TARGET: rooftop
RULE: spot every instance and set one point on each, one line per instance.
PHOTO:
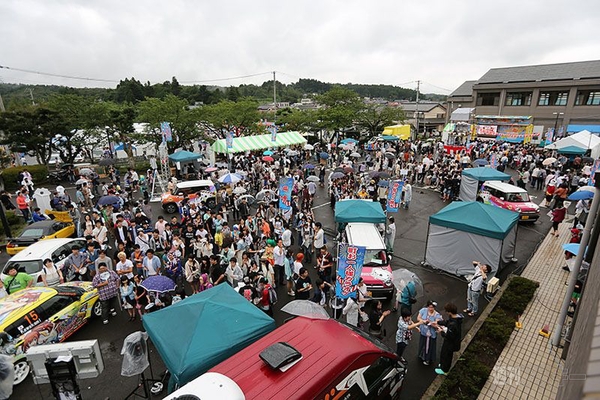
(466, 89)
(544, 72)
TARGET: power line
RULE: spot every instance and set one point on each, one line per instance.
(228, 79)
(57, 75)
(438, 87)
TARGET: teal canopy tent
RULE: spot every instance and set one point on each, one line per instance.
(465, 231)
(200, 331)
(184, 156)
(571, 150)
(359, 211)
(473, 177)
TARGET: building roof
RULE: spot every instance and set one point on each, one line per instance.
(546, 72)
(466, 89)
(424, 106)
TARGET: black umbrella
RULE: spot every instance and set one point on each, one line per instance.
(384, 175)
(106, 200)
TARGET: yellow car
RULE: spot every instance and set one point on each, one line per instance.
(59, 227)
(43, 315)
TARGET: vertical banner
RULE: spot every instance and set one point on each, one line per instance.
(229, 140)
(394, 195)
(167, 134)
(494, 161)
(285, 193)
(549, 135)
(350, 263)
(273, 130)
(595, 168)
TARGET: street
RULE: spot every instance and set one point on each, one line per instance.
(409, 249)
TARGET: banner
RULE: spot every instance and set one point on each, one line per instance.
(494, 161)
(487, 130)
(550, 135)
(350, 263)
(595, 168)
(394, 195)
(167, 134)
(285, 193)
(273, 130)
(229, 140)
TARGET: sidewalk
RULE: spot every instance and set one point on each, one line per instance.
(529, 367)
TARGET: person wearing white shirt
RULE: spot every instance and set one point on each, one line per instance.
(319, 238)
(475, 286)
(142, 240)
(151, 264)
(279, 260)
(286, 236)
(160, 224)
(124, 266)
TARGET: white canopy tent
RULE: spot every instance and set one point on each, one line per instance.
(584, 139)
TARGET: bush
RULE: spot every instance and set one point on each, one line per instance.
(39, 174)
(13, 218)
(472, 370)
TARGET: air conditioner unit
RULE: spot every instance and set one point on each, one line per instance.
(493, 285)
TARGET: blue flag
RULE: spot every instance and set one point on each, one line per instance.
(350, 263)
(394, 195)
(285, 193)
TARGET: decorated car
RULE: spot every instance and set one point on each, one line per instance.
(198, 190)
(59, 226)
(43, 315)
(509, 197)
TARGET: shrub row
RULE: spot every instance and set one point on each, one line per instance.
(39, 174)
(470, 373)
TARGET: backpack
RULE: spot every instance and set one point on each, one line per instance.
(272, 295)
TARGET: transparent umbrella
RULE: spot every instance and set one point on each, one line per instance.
(265, 194)
(249, 199)
(305, 308)
(309, 147)
(549, 161)
(313, 178)
(239, 190)
(402, 277)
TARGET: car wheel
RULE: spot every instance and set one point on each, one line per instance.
(171, 208)
(21, 370)
(97, 309)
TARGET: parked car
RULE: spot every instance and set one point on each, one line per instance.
(31, 258)
(59, 227)
(376, 270)
(509, 197)
(43, 315)
(198, 190)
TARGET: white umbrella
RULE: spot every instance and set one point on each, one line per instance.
(355, 154)
(85, 171)
(239, 190)
(549, 161)
(305, 308)
(309, 147)
(292, 153)
(313, 178)
(230, 178)
(81, 181)
(249, 199)
(264, 194)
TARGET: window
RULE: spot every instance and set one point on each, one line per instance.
(488, 99)
(553, 98)
(518, 99)
(376, 372)
(588, 98)
(55, 305)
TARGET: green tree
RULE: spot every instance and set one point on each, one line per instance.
(31, 130)
(340, 108)
(374, 117)
(129, 91)
(241, 116)
(171, 109)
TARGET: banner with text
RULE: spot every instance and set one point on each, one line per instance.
(285, 193)
(394, 195)
(350, 263)
(229, 140)
(167, 134)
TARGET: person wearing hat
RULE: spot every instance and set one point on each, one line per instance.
(75, 264)
(16, 281)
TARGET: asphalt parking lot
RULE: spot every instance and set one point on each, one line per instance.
(409, 251)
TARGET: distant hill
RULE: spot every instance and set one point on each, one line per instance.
(132, 90)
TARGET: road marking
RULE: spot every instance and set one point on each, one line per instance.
(321, 205)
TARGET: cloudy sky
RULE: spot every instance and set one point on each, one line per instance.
(441, 43)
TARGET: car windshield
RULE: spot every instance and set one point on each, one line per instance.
(375, 257)
(32, 233)
(517, 197)
(27, 266)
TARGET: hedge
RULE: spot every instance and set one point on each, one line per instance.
(39, 174)
(473, 369)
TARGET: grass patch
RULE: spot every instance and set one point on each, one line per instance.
(470, 373)
(16, 224)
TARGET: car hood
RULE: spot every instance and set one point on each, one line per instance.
(376, 274)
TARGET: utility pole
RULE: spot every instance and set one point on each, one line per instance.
(2, 104)
(417, 107)
(31, 95)
(274, 98)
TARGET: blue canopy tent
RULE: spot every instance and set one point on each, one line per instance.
(200, 331)
(473, 177)
(182, 156)
(465, 231)
(121, 146)
(359, 211)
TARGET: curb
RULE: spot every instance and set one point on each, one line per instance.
(437, 382)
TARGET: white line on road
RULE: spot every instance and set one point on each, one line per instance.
(321, 205)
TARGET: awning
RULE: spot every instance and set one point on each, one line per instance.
(571, 150)
(184, 156)
(579, 128)
(450, 127)
(461, 114)
(258, 142)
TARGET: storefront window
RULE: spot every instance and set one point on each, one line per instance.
(553, 98)
(518, 99)
(588, 98)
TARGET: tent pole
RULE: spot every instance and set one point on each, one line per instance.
(426, 243)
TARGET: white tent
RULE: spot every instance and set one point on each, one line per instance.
(584, 139)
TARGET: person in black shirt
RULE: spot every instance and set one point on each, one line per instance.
(217, 273)
(303, 285)
(188, 237)
(376, 318)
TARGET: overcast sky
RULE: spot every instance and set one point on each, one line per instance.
(441, 43)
